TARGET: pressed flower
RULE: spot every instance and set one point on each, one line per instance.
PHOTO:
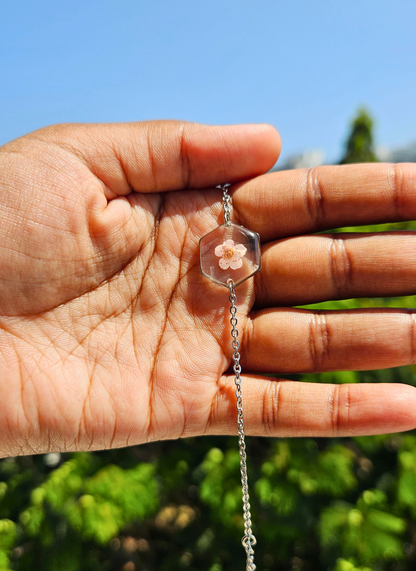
(230, 255)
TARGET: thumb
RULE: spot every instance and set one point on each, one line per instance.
(157, 156)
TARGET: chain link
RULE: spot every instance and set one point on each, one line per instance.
(248, 541)
(226, 200)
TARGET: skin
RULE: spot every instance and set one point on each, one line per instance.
(110, 336)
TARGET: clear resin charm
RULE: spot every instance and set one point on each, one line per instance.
(230, 252)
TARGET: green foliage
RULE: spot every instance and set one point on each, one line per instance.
(221, 487)
(348, 565)
(406, 486)
(7, 540)
(302, 467)
(113, 498)
(80, 501)
(359, 147)
(366, 530)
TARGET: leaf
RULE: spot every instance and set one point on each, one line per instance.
(348, 565)
(364, 532)
(8, 533)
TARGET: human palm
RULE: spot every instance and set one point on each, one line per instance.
(109, 334)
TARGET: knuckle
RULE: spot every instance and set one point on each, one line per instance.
(152, 159)
(260, 287)
(339, 408)
(412, 336)
(270, 407)
(184, 157)
(247, 340)
(340, 265)
(319, 338)
(395, 176)
(402, 182)
(314, 197)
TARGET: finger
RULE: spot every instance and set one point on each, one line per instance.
(303, 201)
(310, 269)
(168, 155)
(292, 408)
(300, 341)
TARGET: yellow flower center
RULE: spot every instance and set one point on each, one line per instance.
(228, 253)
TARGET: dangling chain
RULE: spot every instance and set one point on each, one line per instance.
(248, 540)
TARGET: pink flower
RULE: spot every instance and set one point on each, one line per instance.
(230, 255)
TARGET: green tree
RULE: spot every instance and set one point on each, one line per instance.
(359, 147)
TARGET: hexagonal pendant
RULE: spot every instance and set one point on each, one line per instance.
(230, 252)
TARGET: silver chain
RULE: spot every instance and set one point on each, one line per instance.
(226, 199)
(248, 541)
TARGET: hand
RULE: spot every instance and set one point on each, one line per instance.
(109, 335)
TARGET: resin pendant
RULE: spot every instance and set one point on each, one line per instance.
(229, 252)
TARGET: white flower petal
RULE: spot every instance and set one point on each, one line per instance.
(228, 244)
(240, 249)
(236, 263)
(219, 250)
(224, 263)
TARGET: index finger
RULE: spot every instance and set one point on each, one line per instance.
(288, 203)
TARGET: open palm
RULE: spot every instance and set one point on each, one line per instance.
(109, 334)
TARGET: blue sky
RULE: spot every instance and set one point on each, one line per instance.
(303, 66)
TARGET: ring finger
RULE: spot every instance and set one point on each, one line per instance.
(316, 341)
